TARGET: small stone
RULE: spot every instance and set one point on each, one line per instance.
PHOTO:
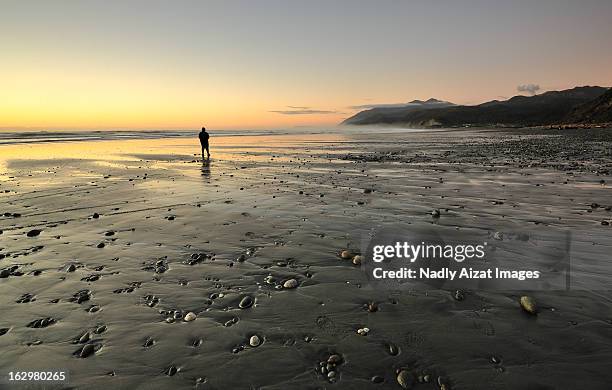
(334, 359)
(254, 341)
(87, 350)
(148, 342)
(529, 304)
(71, 268)
(171, 371)
(498, 236)
(33, 233)
(246, 302)
(331, 374)
(95, 215)
(363, 331)
(291, 283)
(435, 213)
(100, 329)
(94, 309)
(392, 349)
(191, 316)
(372, 307)
(357, 260)
(346, 255)
(377, 379)
(443, 383)
(405, 379)
(458, 295)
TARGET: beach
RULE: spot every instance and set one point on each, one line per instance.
(110, 243)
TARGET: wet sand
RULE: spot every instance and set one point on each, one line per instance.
(112, 238)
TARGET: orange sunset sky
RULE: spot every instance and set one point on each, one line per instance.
(277, 64)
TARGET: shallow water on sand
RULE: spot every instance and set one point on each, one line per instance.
(150, 229)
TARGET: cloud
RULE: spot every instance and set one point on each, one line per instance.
(530, 88)
(381, 105)
(299, 110)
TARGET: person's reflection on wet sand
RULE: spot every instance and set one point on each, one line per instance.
(206, 169)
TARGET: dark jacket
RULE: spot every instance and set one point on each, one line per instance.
(203, 138)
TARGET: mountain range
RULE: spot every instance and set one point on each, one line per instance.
(577, 105)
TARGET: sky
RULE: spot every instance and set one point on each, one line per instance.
(148, 64)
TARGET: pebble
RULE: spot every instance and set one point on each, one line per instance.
(392, 349)
(458, 295)
(33, 233)
(443, 383)
(171, 371)
(334, 359)
(377, 379)
(529, 304)
(372, 307)
(87, 350)
(357, 260)
(246, 302)
(435, 213)
(93, 309)
(196, 342)
(254, 341)
(71, 268)
(191, 316)
(329, 368)
(346, 255)
(363, 331)
(41, 323)
(405, 379)
(100, 329)
(291, 283)
(81, 296)
(148, 342)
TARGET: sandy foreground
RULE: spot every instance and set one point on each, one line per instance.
(104, 241)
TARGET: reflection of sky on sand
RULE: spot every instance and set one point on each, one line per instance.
(112, 153)
(206, 168)
(90, 158)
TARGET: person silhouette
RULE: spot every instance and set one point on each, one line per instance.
(204, 142)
